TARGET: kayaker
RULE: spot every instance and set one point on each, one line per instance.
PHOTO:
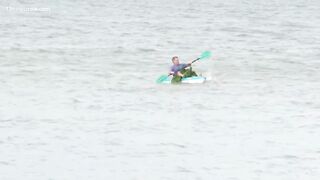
(179, 71)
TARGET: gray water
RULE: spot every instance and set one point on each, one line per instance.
(78, 98)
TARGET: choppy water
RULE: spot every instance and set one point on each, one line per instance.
(78, 98)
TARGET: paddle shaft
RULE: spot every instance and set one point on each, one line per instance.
(195, 60)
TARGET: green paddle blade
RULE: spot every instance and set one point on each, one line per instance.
(205, 55)
(162, 78)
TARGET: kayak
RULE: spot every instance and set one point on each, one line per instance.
(188, 80)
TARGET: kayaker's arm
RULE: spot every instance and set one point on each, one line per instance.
(187, 65)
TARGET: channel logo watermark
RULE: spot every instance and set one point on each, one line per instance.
(27, 9)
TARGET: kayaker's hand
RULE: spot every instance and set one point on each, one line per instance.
(180, 74)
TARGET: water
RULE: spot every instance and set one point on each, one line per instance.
(79, 98)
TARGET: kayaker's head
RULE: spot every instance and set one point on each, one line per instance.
(175, 60)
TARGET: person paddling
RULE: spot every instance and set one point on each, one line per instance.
(180, 71)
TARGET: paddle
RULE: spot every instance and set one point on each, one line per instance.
(204, 55)
(162, 78)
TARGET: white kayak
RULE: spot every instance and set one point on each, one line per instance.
(188, 80)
